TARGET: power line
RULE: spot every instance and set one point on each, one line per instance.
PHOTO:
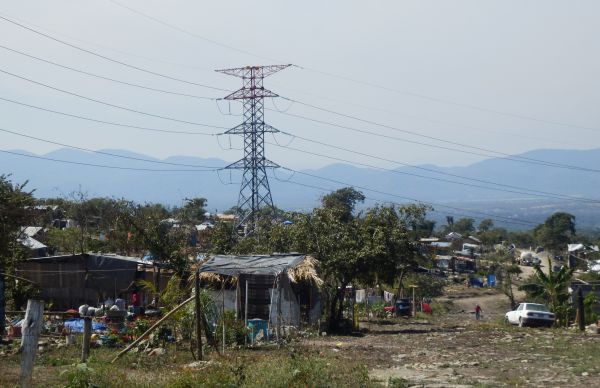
(106, 122)
(98, 165)
(107, 78)
(417, 167)
(445, 101)
(506, 156)
(123, 52)
(518, 191)
(417, 118)
(310, 105)
(406, 198)
(493, 217)
(109, 58)
(108, 103)
(105, 153)
(187, 32)
(357, 80)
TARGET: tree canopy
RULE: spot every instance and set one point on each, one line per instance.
(556, 232)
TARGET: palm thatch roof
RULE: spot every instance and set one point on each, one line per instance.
(306, 271)
(297, 267)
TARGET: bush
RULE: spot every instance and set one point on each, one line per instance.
(235, 331)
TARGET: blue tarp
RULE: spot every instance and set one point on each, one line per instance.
(76, 325)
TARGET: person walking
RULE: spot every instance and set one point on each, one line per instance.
(478, 311)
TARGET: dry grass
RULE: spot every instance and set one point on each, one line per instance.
(306, 271)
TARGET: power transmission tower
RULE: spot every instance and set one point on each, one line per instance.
(254, 190)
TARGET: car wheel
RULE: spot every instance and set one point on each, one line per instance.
(521, 324)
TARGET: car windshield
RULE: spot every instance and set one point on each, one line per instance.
(536, 307)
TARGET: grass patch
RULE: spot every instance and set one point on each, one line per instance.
(260, 367)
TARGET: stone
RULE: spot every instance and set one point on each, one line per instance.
(593, 329)
(158, 352)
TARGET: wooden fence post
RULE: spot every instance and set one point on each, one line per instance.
(30, 331)
(87, 335)
(198, 317)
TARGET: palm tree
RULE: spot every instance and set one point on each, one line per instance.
(551, 287)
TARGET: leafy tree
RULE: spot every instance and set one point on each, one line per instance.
(552, 288)
(485, 225)
(63, 240)
(151, 231)
(556, 232)
(343, 202)
(493, 236)
(193, 211)
(521, 238)
(505, 270)
(15, 213)
(464, 226)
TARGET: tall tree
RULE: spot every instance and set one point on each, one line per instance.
(464, 226)
(556, 232)
(485, 225)
(15, 213)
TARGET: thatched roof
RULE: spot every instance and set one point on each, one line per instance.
(297, 267)
(306, 270)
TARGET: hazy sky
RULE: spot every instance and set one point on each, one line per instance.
(532, 58)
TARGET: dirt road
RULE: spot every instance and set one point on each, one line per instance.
(455, 350)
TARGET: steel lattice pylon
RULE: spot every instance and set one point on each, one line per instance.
(254, 190)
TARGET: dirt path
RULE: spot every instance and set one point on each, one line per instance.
(455, 350)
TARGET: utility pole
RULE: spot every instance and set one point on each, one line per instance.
(254, 190)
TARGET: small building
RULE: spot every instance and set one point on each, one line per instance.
(72, 280)
(281, 288)
(581, 255)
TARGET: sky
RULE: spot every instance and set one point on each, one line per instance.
(507, 76)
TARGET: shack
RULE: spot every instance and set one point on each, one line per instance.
(72, 280)
(281, 288)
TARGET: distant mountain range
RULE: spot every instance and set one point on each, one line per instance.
(300, 192)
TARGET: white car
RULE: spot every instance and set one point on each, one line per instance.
(530, 314)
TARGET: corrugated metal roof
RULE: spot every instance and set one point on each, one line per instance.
(31, 243)
(255, 265)
(31, 230)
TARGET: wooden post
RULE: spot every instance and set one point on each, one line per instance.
(223, 312)
(246, 311)
(2, 307)
(32, 325)
(580, 309)
(198, 318)
(278, 307)
(87, 335)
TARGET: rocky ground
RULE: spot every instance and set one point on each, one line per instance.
(448, 349)
(455, 350)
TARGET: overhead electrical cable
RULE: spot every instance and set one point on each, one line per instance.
(488, 215)
(107, 78)
(100, 165)
(520, 191)
(357, 80)
(448, 102)
(110, 48)
(416, 118)
(370, 122)
(378, 200)
(190, 33)
(109, 58)
(107, 122)
(104, 152)
(333, 146)
(110, 104)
